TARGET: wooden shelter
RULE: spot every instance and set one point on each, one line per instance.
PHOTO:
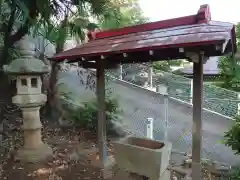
(195, 37)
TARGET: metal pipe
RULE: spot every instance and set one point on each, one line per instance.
(163, 91)
(166, 117)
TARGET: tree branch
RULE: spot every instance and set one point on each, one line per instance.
(7, 34)
(3, 27)
(23, 30)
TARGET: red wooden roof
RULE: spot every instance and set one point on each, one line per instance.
(195, 33)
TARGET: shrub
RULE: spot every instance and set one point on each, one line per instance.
(86, 116)
(235, 174)
(233, 136)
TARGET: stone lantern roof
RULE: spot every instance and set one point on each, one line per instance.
(27, 64)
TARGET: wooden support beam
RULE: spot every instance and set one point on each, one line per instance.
(197, 115)
(93, 65)
(102, 139)
(87, 64)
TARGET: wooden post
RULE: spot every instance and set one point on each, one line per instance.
(197, 116)
(102, 141)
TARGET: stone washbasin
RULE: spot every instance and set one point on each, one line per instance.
(143, 156)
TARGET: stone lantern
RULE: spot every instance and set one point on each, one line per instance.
(28, 70)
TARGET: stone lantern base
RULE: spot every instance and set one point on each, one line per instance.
(33, 155)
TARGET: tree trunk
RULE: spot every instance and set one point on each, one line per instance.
(52, 102)
(6, 94)
(52, 90)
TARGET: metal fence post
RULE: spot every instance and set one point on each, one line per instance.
(120, 72)
(150, 128)
(150, 82)
(163, 90)
(166, 117)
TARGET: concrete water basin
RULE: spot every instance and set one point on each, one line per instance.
(143, 156)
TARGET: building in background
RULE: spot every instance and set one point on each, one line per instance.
(210, 69)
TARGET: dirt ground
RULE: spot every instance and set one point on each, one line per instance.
(66, 164)
(75, 155)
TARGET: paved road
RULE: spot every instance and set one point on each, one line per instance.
(137, 105)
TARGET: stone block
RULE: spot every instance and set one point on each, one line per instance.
(143, 156)
(34, 155)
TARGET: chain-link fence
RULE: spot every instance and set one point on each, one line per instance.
(216, 99)
(138, 104)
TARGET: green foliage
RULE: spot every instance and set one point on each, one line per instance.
(128, 13)
(17, 17)
(233, 136)
(230, 71)
(86, 115)
(58, 29)
(235, 174)
(161, 66)
(92, 26)
(230, 68)
(176, 62)
(178, 72)
(5, 12)
(165, 65)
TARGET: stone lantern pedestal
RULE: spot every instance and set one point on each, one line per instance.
(34, 149)
(28, 71)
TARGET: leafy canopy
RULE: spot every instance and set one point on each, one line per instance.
(230, 68)
(129, 13)
(17, 17)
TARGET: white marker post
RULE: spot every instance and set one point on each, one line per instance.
(150, 128)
